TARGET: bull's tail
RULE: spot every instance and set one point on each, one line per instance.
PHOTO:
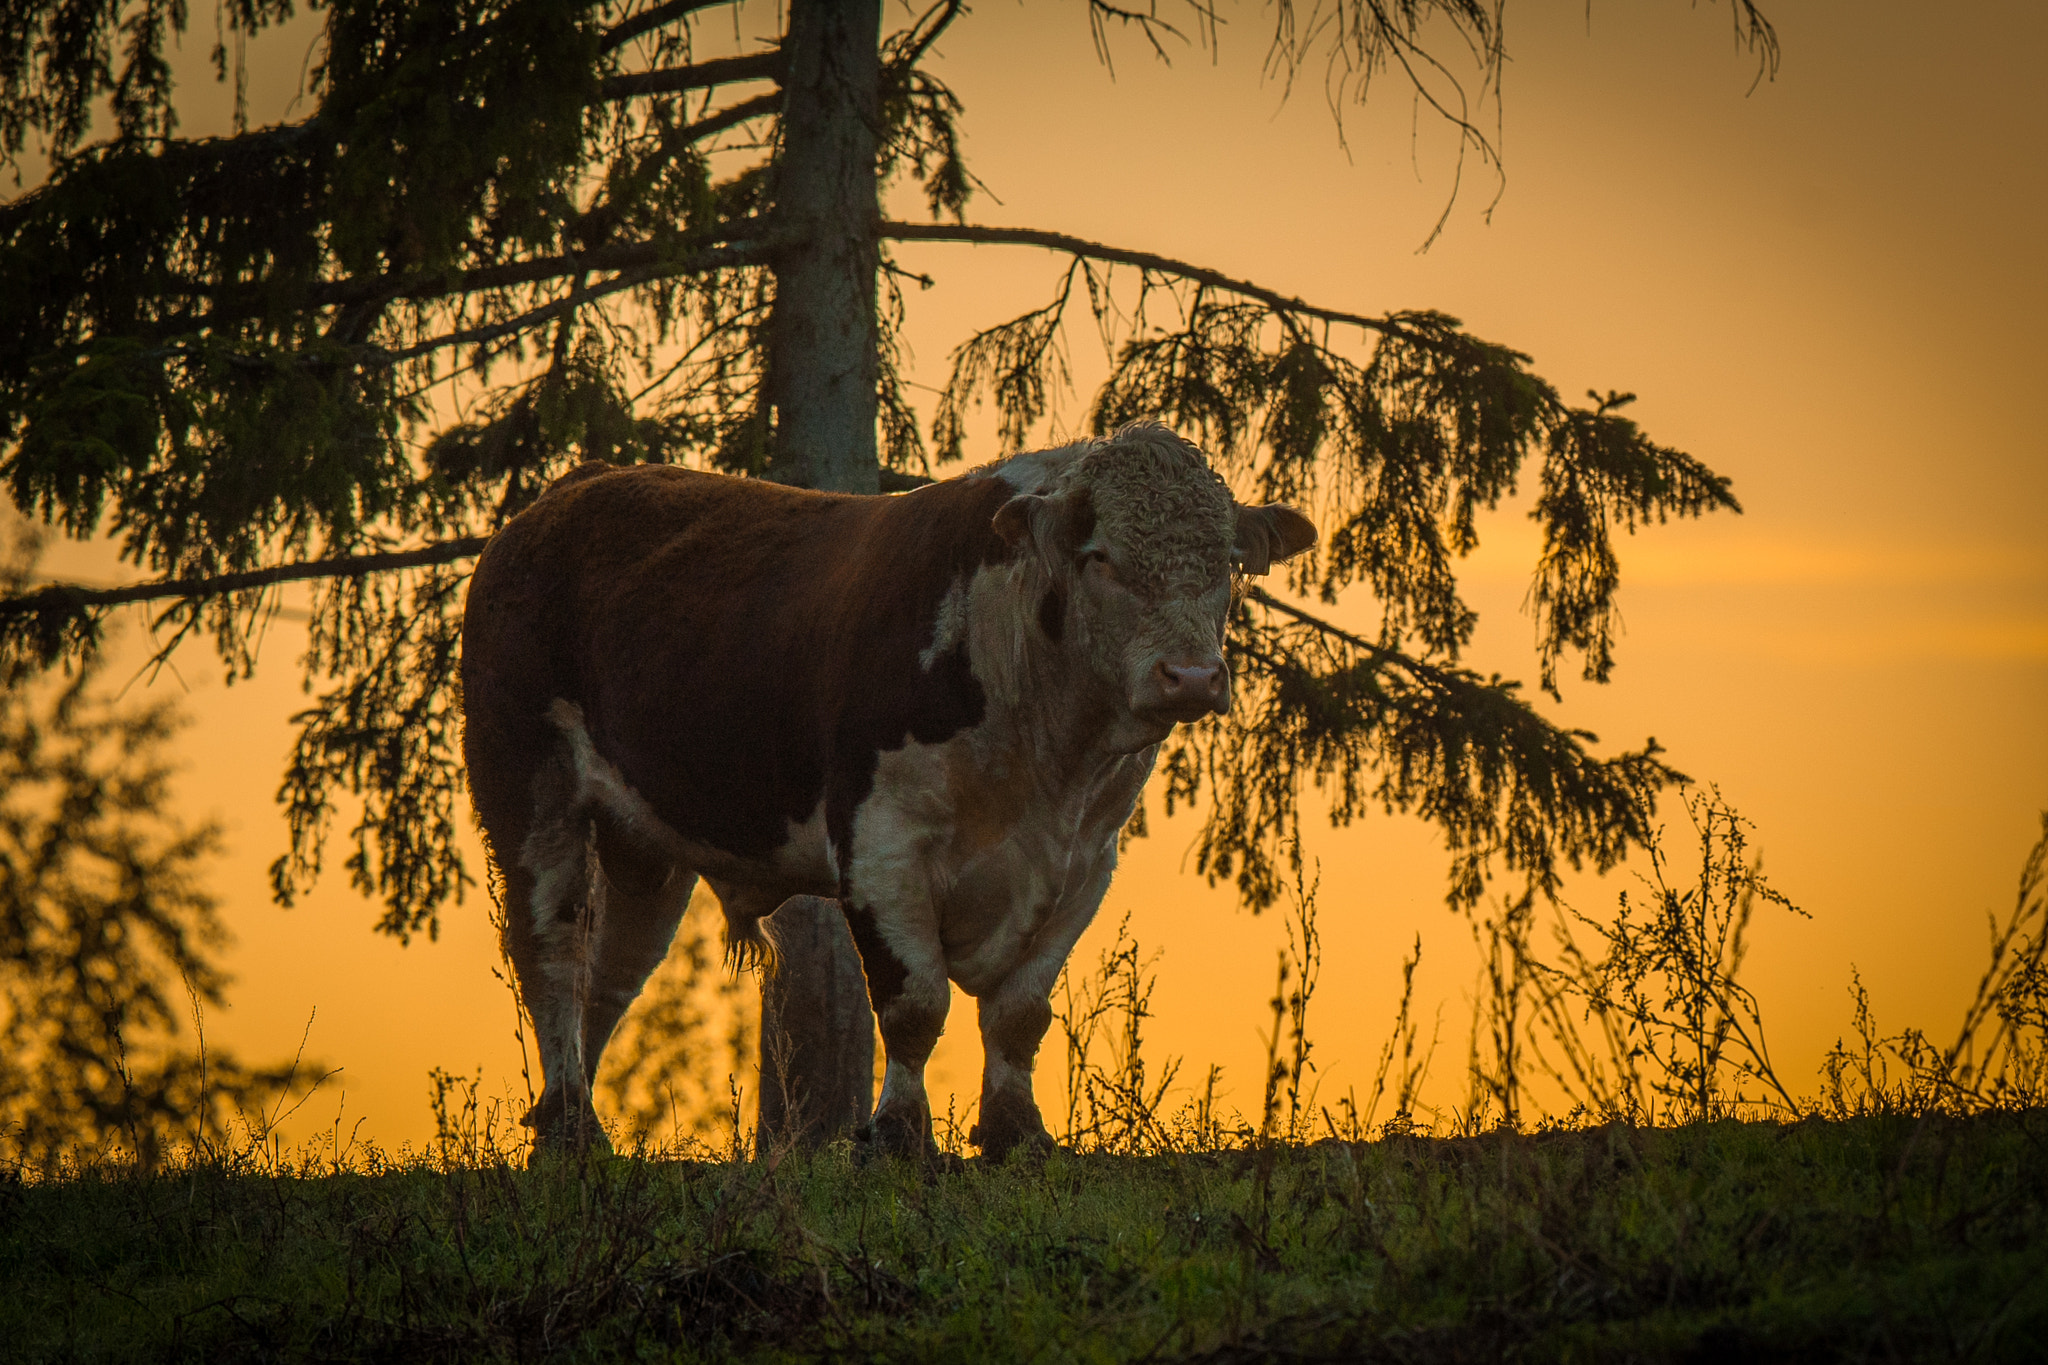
(749, 937)
(750, 944)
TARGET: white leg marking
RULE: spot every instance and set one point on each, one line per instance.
(902, 1086)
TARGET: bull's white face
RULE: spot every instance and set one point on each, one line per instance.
(1157, 644)
(1134, 554)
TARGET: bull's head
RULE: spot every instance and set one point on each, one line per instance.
(1134, 548)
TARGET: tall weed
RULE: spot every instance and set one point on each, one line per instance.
(1653, 1024)
(1999, 1056)
(1114, 1105)
(1289, 1102)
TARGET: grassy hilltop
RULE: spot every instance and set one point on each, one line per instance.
(1867, 1239)
(1690, 1207)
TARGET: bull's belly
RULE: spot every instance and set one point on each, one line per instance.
(802, 865)
(948, 855)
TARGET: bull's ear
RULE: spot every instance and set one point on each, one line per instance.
(1268, 534)
(1054, 527)
(1013, 519)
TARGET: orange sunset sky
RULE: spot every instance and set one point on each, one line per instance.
(1829, 288)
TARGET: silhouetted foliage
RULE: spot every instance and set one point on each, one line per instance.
(108, 944)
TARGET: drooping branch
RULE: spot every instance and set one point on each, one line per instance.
(1143, 260)
(636, 263)
(1397, 452)
(700, 263)
(1318, 705)
(393, 286)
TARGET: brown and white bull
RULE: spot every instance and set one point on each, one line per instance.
(938, 707)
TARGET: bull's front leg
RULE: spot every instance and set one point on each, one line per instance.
(886, 890)
(1016, 1015)
(906, 970)
(1013, 1023)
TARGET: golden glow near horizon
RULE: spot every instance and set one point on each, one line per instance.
(1826, 289)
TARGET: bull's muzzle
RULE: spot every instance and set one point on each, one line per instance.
(1185, 690)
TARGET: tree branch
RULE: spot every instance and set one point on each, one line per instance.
(759, 66)
(1426, 672)
(943, 14)
(624, 256)
(72, 597)
(626, 30)
(716, 258)
(636, 262)
(1144, 260)
(731, 115)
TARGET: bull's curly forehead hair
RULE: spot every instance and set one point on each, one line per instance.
(1170, 517)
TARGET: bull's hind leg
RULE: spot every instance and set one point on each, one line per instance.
(644, 900)
(549, 933)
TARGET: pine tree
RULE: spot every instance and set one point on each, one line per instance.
(240, 355)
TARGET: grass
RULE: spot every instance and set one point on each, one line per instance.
(1881, 1238)
(1689, 1207)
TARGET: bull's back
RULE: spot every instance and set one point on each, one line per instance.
(735, 645)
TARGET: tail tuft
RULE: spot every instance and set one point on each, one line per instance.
(749, 946)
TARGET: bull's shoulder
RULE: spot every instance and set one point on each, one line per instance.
(928, 537)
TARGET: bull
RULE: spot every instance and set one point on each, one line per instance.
(938, 707)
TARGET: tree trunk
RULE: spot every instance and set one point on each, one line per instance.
(821, 338)
(817, 1032)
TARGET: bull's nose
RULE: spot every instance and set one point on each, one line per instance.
(1194, 687)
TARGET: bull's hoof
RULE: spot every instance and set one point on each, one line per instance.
(1011, 1123)
(1032, 1148)
(906, 1137)
(561, 1129)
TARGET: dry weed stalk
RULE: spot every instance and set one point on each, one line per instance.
(1675, 1035)
(1999, 1059)
(1301, 963)
(1114, 1108)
